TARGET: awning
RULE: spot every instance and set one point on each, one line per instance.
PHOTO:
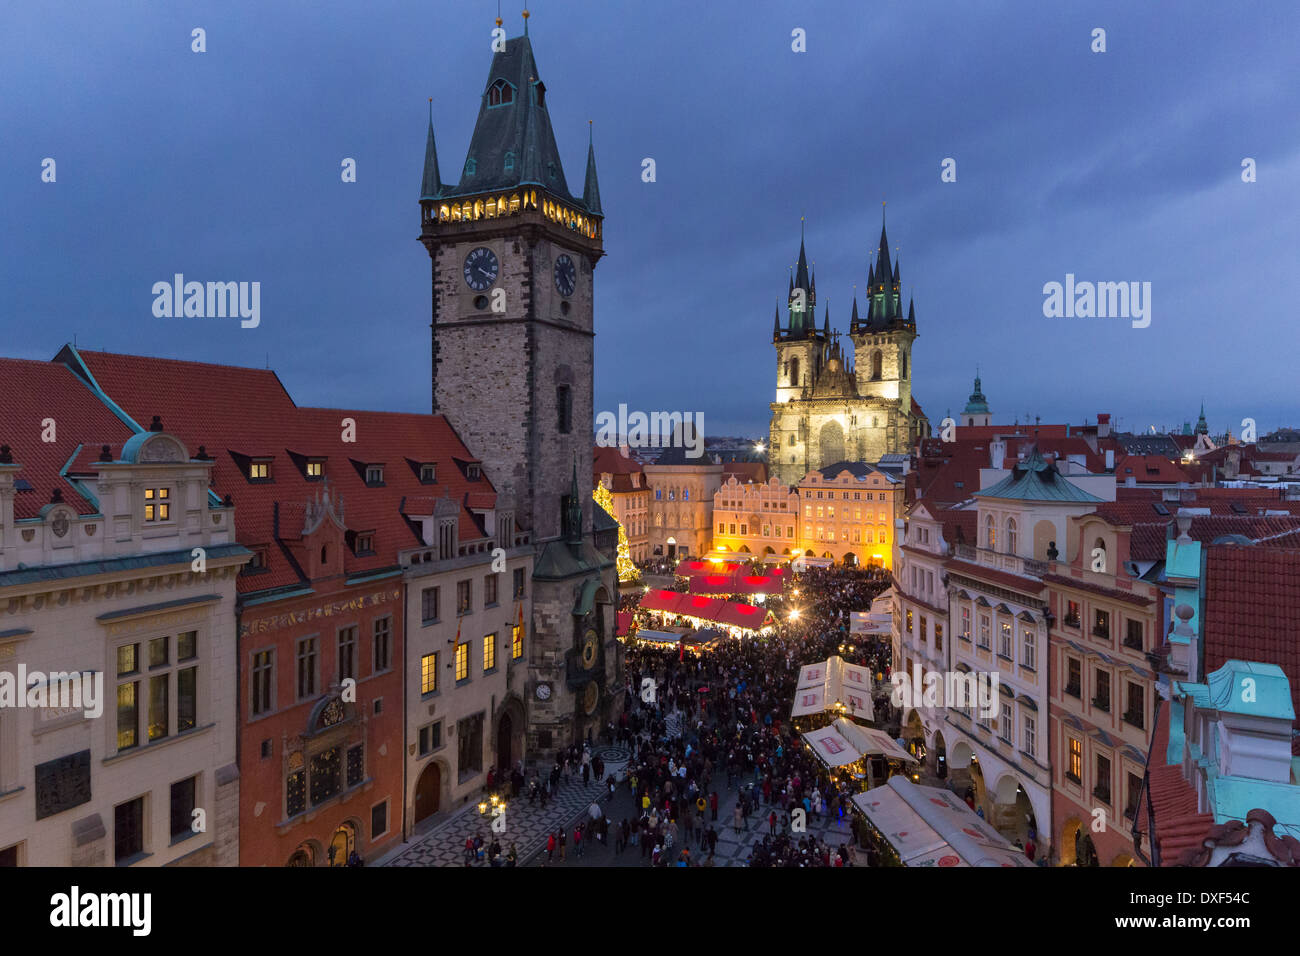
(870, 741)
(623, 623)
(929, 826)
(835, 682)
(697, 606)
(689, 568)
(737, 582)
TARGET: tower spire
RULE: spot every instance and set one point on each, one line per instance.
(591, 189)
(431, 185)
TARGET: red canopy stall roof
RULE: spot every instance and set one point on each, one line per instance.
(688, 568)
(717, 610)
(736, 583)
(624, 623)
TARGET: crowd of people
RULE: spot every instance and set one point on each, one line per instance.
(716, 722)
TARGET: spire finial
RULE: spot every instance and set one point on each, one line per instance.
(589, 133)
(525, 21)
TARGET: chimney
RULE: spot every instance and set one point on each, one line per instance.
(1103, 425)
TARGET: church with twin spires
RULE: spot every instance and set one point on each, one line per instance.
(838, 401)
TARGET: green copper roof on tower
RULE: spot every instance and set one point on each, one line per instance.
(513, 143)
(978, 404)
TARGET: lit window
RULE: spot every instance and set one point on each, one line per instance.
(157, 504)
(516, 642)
(259, 470)
(315, 469)
(462, 661)
(489, 652)
(429, 673)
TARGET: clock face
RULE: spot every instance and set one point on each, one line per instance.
(590, 698)
(566, 275)
(590, 644)
(481, 268)
(543, 691)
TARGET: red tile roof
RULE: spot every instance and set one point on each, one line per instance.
(1178, 826)
(1252, 609)
(236, 412)
(612, 461)
(755, 471)
(1014, 581)
(32, 392)
(1154, 469)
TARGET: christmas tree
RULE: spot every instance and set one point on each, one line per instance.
(627, 571)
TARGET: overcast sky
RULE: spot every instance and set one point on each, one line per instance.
(1115, 166)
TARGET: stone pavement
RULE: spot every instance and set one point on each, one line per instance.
(525, 826)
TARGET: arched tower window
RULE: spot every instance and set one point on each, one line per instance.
(877, 365)
(990, 533)
(794, 371)
(509, 162)
(904, 357)
(1011, 536)
(501, 93)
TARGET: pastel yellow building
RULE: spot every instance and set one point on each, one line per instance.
(760, 519)
(848, 513)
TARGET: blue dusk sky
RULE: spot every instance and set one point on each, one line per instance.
(1117, 166)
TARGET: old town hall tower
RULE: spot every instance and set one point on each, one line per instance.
(843, 402)
(513, 258)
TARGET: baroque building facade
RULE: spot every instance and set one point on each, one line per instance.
(844, 403)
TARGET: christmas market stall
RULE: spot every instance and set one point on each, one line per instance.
(829, 689)
(905, 824)
(675, 609)
(850, 751)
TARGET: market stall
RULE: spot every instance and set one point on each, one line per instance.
(840, 688)
(673, 607)
(911, 825)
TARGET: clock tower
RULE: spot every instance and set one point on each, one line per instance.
(513, 257)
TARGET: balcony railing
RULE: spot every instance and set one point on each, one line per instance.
(1133, 719)
(1102, 703)
(1072, 690)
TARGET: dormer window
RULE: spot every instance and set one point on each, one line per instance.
(315, 470)
(471, 167)
(509, 162)
(157, 504)
(428, 474)
(257, 562)
(259, 470)
(501, 93)
(374, 474)
(540, 89)
(365, 542)
(550, 171)
(472, 472)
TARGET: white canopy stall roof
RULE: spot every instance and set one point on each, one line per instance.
(844, 742)
(870, 741)
(929, 826)
(835, 681)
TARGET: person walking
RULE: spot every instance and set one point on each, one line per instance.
(550, 847)
(713, 805)
(736, 818)
(577, 841)
(563, 839)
